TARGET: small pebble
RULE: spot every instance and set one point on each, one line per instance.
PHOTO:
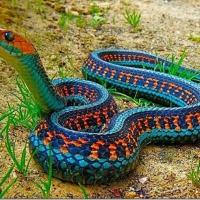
(143, 180)
(60, 8)
(130, 195)
(53, 57)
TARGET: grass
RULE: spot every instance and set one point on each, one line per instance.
(45, 187)
(133, 19)
(21, 165)
(27, 111)
(4, 116)
(194, 37)
(69, 15)
(80, 20)
(140, 102)
(95, 9)
(2, 182)
(65, 71)
(194, 175)
(97, 20)
(174, 68)
(14, 2)
(63, 21)
(39, 7)
(83, 191)
(26, 114)
(65, 18)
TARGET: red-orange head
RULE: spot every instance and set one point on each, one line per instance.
(15, 44)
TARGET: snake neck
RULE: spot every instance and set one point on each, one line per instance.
(31, 70)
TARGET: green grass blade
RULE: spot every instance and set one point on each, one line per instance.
(175, 66)
(50, 173)
(7, 175)
(40, 187)
(29, 160)
(84, 191)
(5, 178)
(198, 168)
(50, 167)
(8, 147)
(46, 186)
(2, 131)
(8, 187)
(6, 114)
(23, 157)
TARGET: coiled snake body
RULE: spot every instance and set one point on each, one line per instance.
(91, 142)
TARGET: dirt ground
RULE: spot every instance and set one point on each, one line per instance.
(165, 29)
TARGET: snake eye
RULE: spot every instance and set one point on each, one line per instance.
(9, 36)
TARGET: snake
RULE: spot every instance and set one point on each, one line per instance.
(89, 139)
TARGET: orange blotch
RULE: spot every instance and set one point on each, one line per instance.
(156, 119)
(76, 143)
(167, 127)
(127, 151)
(82, 141)
(50, 134)
(178, 128)
(95, 146)
(113, 155)
(36, 132)
(121, 141)
(46, 141)
(112, 147)
(94, 154)
(100, 142)
(64, 149)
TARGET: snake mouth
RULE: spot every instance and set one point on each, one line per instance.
(9, 49)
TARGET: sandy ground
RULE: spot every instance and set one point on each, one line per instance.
(165, 29)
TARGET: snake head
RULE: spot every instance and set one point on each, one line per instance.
(14, 45)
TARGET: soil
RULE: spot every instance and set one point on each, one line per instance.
(65, 43)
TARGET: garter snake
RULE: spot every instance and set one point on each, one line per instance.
(91, 141)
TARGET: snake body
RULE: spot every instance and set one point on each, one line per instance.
(90, 141)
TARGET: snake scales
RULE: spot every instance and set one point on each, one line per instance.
(91, 142)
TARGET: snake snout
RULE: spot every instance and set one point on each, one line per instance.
(15, 44)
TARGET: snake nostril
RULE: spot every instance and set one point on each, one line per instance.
(9, 36)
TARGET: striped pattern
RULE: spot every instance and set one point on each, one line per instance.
(91, 142)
